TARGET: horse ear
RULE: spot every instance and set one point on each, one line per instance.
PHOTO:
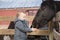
(43, 0)
(11, 25)
(47, 0)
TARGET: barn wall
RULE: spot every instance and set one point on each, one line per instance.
(5, 17)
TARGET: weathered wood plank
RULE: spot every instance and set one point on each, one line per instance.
(39, 32)
(6, 32)
(11, 32)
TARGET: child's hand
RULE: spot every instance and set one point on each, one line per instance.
(33, 29)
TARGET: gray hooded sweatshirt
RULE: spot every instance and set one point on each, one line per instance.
(21, 28)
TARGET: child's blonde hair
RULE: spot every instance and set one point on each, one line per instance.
(18, 14)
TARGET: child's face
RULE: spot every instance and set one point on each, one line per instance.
(22, 16)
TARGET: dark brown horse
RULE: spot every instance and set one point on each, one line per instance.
(45, 13)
